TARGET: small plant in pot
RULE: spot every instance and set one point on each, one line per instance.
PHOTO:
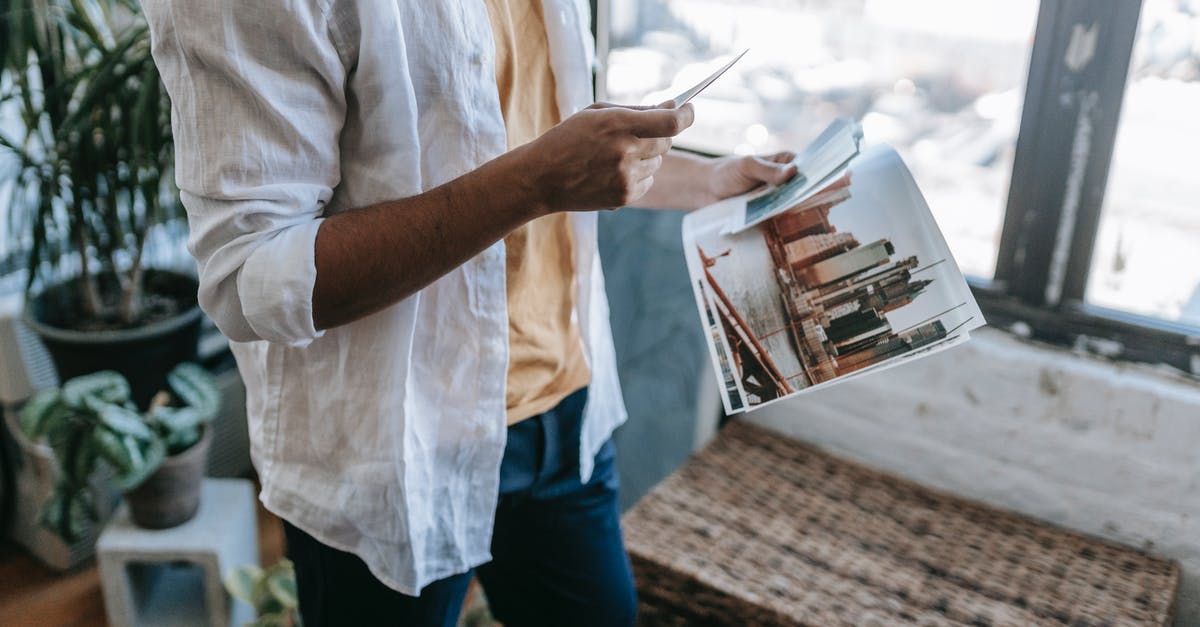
(157, 458)
(270, 591)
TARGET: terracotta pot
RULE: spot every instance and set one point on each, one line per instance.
(171, 496)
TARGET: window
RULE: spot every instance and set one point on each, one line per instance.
(940, 80)
(1009, 114)
(1150, 220)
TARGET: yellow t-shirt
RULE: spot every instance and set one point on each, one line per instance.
(546, 360)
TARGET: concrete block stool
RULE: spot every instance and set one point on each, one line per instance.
(173, 576)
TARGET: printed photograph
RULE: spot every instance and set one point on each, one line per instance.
(819, 162)
(732, 394)
(850, 278)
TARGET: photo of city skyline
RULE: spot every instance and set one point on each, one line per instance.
(824, 289)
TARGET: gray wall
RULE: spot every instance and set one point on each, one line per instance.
(660, 345)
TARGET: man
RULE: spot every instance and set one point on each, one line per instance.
(392, 205)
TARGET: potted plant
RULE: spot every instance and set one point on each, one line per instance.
(271, 592)
(157, 458)
(91, 171)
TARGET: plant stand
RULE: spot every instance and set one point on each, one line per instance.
(173, 576)
(758, 529)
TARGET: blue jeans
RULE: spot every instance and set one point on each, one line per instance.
(558, 556)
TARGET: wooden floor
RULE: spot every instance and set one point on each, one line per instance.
(32, 595)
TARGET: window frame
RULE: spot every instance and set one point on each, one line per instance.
(1064, 150)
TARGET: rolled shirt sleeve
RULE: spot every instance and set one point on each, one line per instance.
(258, 103)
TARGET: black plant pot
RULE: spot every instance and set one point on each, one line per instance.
(144, 355)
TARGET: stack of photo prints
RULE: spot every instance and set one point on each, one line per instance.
(838, 272)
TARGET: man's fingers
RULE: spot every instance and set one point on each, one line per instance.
(670, 104)
(781, 157)
(772, 172)
(640, 189)
(646, 148)
(645, 167)
(659, 122)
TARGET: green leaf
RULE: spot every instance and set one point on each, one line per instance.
(262, 596)
(242, 581)
(121, 419)
(283, 566)
(79, 514)
(180, 441)
(145, 458)
(84, 461)
(51, 516)
(275, 619)
(68, 512)
(283, 587)
(269, 604)
(196, 388)
(113, 450)
(36, 414)
(135, 452)
(68, 445)
(177, 418)
(106, 385)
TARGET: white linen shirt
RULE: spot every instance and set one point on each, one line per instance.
(382, 437)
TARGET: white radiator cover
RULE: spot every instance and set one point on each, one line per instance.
(25, 366)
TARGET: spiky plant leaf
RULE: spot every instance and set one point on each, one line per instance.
(80, 76)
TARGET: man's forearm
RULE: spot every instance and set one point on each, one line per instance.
(372, 257)
(681, 183)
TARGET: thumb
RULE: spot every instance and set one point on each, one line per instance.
(768, 171)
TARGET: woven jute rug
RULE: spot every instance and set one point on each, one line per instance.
(758, 529)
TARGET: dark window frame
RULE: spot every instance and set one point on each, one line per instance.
(1064, 151)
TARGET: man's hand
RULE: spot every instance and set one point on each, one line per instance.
(737, 175)
(370, 257)
(690, 182)
(602, 157)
